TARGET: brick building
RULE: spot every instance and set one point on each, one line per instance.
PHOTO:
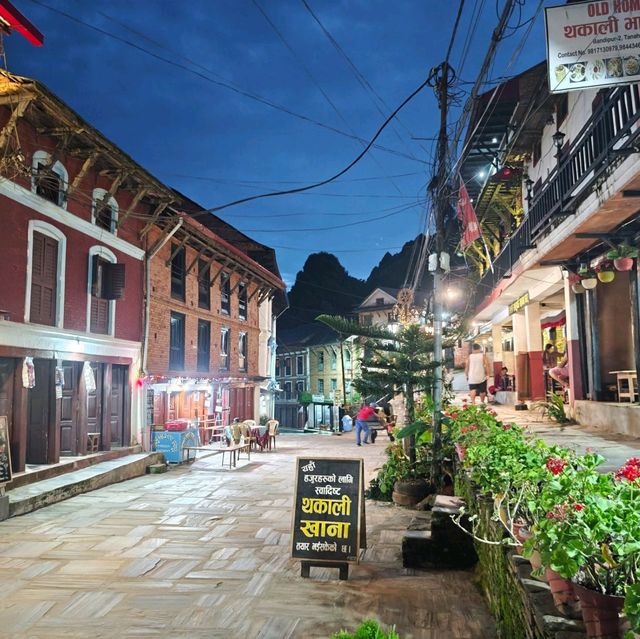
(71, 278)
(205, 345)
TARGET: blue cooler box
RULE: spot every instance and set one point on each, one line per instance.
(172, 443)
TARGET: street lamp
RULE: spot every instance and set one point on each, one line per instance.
(529, 184)
(558, 140)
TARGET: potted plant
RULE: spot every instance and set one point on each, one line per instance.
(605, 271)
(588, 279)
(623, 256)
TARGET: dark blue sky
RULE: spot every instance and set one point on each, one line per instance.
(216, 145)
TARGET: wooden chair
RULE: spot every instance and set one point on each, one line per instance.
(273, 425)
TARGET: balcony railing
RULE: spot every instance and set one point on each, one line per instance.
(605, 140)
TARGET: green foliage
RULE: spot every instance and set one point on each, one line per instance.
(304, 398)
(370, 629)
(553, 408)
(584, 522)
(398, 467)
(622, 250)
(632, 608)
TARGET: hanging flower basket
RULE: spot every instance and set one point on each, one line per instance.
(605, 271)
(606, 276)
(623, 263)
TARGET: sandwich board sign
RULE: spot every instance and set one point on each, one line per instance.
(328, 518)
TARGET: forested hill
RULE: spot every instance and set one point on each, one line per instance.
(324, 285)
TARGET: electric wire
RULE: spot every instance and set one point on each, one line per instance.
(218, 82)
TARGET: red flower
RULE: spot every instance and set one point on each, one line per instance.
(454, 415)
(630, 471)
(578, 507)
(556, 465)
(506, 427)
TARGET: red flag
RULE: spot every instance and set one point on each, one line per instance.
(467, 215)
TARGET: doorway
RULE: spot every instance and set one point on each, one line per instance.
(69, 404)
(118, 417)
(40, 413)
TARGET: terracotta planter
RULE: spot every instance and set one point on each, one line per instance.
(623, 263)
(536, 564)
(606, 276)
(411, 491)
(564, 597)
(600, 613)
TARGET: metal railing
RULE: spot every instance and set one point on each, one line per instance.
(607, 137)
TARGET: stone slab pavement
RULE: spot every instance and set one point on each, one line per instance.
(204, 551)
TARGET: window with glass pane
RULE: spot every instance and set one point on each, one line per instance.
(300, 365)
(242, 301)
(321, 386)
(49, 185)
(178, 272)
(300, 386)
(204, 345)
(334, 361)
(176, 342)
(204, 286)
(334, 384)
(320, 362)
(347, 359)
(287, 390)
(277, 367)
(224, 349)
(242, 351)
(225, 293)
(287, 366)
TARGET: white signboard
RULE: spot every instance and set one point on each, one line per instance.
(593, 44)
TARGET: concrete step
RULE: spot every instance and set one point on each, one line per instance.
(26, 499)
(156, 469)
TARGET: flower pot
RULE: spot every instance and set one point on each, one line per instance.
(408, 492)
(606, 276)
(600, 613)
(564, 597)
(589, 282)
(623, 263)
(577, 288)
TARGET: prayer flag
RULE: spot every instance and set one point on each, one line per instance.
(467, 215)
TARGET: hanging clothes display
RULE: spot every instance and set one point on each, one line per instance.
(28, 373)
(89, 377)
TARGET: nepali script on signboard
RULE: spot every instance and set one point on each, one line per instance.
(327, 510)
(593, 44)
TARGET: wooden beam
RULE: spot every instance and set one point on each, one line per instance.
(176, 249)
(217, 275)
(255, 290)
(154, 218)
(86, 165)
(136, 200)
(16, 113)
(193, 263)
(240, 280)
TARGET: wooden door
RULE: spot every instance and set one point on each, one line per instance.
(119, 382)
(94, 406)
(39, 414)
(69, 436)
(7, 381)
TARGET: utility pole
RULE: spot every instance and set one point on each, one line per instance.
(441, 81)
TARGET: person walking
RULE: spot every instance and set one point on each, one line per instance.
(476, 370)
(365, 414)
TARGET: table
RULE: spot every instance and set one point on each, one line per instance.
(627, 382)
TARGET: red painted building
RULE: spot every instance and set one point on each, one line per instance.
(74, 210)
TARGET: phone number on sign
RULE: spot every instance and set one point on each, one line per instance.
(613, 47)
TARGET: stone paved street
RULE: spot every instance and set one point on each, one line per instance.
(204, 552)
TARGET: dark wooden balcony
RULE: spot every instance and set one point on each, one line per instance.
(605, 140)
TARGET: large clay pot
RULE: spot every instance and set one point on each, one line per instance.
(600, 613)
(536, 565)
(409, 492)
(623, 263)
(564, 597)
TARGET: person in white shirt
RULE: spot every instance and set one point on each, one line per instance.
(477, 371)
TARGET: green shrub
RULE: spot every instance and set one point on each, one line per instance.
(370, 629)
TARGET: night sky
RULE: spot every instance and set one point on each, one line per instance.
(217, 145)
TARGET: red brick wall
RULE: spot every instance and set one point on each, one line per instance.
(162, 304)
(13, 243)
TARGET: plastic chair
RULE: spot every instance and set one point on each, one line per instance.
(245, 428)
(273, 425)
